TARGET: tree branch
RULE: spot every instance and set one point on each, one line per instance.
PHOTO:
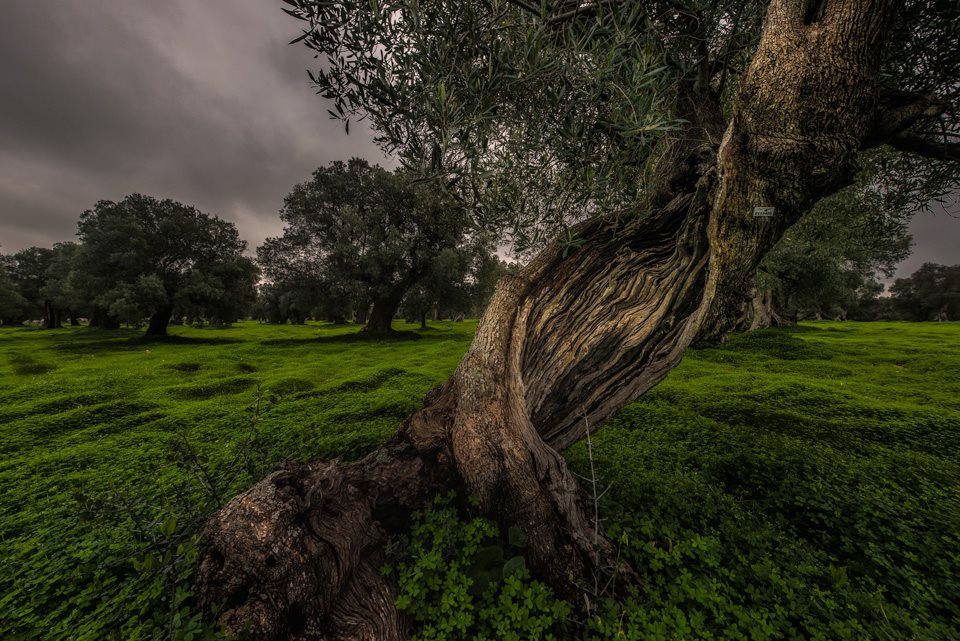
(526, 6)
(926, 148)
(581, 8)
(560, 12)
(898, 111)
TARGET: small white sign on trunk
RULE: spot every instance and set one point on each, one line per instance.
(764, 212)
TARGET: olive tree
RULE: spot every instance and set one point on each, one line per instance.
(144, 257)
(824, 264)
(362, 235)
(650, 154)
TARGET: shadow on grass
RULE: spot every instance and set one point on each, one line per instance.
(774, 342)
(25, 365)
(354, 337)
(135, 341)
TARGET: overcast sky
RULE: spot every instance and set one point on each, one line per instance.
(201, 101)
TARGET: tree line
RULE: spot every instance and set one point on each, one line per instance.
(360, 243)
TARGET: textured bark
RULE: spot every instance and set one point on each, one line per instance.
(762, 313)
(382, 313)
(562, 345)
(51, 316)
(761, 310)
(360, 315)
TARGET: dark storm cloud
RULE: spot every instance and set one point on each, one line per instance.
(936, 236)
(198, 100)
(203, 102)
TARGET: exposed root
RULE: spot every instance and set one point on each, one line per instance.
(298, 556)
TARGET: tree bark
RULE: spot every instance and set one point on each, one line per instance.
(423, 320)
(762, 309)
(159, 321)
(562, 345)
(360, 315)
(51, 316)
(381, 316)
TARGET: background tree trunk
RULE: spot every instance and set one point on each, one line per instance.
(381, 316)
(562, 345)
(51, 316)
(159, 321)
(762, 310)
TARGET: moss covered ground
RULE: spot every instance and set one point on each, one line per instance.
(791, 484)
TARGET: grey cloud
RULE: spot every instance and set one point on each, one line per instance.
(200, 101)
(936, 236)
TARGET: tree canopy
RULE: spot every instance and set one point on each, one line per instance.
(148, 257)
(357, 234)
(930, 293)
(543, 114)
(826, 263)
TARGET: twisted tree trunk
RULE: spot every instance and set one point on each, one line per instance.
(562, 345)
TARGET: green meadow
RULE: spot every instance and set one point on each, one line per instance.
(797, 483)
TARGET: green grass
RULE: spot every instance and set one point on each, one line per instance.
(794, 484)
(791, 484)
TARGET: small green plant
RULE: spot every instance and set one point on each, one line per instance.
(459, 581)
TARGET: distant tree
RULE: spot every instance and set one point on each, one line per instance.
(61, 288)
(827, 263)
(930, 293)
(283, 303)
(148, 257)
(444, 290)
(300, 288)
(29, 273)
(487, 271)
(221, 293)
(13, 306)
(360, 235)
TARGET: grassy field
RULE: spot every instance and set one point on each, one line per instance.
(791, 484)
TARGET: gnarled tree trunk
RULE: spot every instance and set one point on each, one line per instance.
(562, 345)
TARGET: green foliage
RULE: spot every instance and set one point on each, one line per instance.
(142, 256)
(826, 263)
(930, 293)
(357, 234)
(533, 122)
(791, 484)
(456, 584)
(794, 484)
